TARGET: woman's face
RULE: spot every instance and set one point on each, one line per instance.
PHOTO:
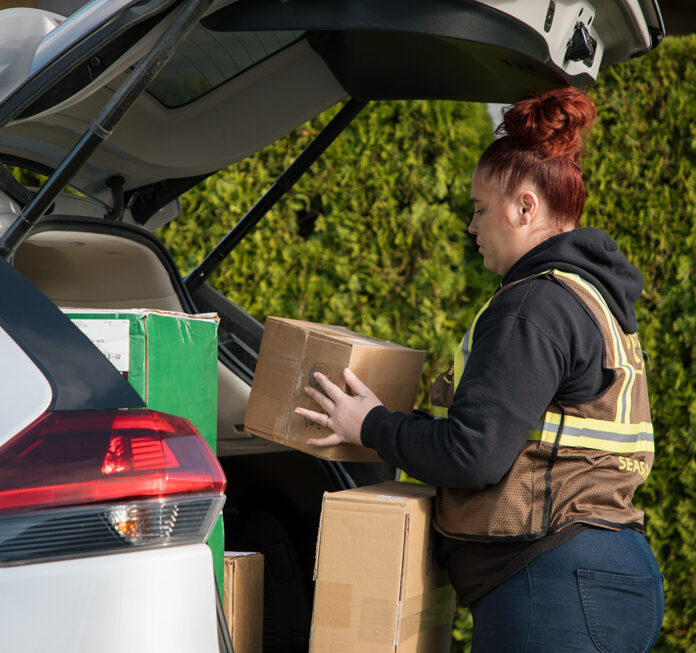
(493, 224)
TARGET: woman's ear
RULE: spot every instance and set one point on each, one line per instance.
(529, 206)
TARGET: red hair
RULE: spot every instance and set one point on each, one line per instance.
(542, 143)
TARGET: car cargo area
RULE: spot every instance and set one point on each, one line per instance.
(273, 493)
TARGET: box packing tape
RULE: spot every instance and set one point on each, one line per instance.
(430, 610)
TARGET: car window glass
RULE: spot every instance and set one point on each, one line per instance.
(208, 59)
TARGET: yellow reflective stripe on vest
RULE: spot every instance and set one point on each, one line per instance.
(624, 408)
(617, 436)
(438, 411)
(461, 353)
(597, 434)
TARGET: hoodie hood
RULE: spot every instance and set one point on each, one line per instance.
(590, 253)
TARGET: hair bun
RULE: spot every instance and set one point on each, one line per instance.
(550, 124)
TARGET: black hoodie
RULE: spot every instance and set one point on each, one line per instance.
(535, 343)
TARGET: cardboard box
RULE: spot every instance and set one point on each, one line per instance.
(171, 360)
(243, 600)
(378, 586)
(292, 350)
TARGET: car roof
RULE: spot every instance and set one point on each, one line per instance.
(252, 70)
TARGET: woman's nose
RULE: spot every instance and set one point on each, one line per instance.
(473, 226)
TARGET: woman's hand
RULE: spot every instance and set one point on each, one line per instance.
(343, 413)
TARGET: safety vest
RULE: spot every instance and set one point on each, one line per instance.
(581, 464)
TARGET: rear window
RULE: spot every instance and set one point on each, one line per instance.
(208, 59)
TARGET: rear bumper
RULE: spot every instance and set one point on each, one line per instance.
(149, 601)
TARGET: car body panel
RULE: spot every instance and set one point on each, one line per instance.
(140, 602)
(26, 393)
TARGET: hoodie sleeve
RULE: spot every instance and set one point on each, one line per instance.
(520, 360)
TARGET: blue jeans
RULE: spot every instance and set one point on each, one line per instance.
(600, 591)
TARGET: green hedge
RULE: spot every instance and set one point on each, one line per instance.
(375, 239)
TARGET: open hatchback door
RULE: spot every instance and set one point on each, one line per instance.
(191, 87)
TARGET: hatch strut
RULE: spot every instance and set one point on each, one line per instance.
(102, 126)
(282, 185)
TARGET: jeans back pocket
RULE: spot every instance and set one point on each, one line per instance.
(619, 610)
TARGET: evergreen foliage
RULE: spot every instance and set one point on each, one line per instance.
(374, 238)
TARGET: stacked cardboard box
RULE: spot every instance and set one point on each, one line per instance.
(379, 588)
(243, 600)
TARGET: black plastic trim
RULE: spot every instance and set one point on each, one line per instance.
(145, 201)
(81, 378)
(239, 346)
(657, 32)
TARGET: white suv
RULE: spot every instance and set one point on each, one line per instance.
(132, 103)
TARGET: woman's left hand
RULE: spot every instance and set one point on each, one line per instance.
(343, 413)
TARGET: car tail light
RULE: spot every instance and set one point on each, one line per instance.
(80, 483)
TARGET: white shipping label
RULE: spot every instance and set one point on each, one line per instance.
(111, 337)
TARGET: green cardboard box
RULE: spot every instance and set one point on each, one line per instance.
(171, 360)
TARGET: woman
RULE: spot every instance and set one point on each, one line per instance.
(546, 430)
